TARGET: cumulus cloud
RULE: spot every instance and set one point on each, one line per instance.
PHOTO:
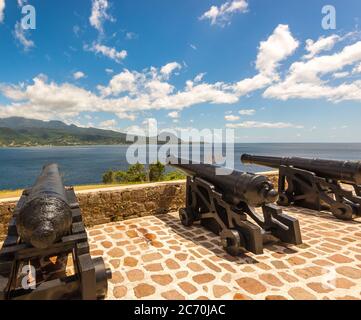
(247, 112)
(2, 9)
(223, 14)
(78, 75)
(305, 79)
(21, 36)
(173, 114)
(322, 44)
(108, 124)
(357, 69)
(169, 68)
(106, 51)
(131, 92)
(279, 46)
(231, 117)
(99, 14)
(199, 77)
(268, 125)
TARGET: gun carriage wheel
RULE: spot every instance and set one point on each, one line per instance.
(232, 241)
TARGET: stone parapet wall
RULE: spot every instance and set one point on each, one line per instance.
(121, 203)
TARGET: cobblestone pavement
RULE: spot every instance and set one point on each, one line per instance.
(157, 258)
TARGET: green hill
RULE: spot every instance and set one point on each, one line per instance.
(17, 131)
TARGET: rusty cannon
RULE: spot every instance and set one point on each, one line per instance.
(46, 255)
(224, 204)
(316, 183)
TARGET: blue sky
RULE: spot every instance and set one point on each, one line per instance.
(264, 68)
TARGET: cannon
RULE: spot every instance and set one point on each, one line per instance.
(46, 254)
(223, 204)
(316, 184)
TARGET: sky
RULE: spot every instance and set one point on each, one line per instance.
(270, 70)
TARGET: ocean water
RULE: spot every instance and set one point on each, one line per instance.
(19, 167)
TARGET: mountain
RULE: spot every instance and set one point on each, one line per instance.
(17, 131)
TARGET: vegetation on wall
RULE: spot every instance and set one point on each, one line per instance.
(137, 173)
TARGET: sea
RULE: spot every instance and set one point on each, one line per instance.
(82, 165)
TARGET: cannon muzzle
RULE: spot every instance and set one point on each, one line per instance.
(344, 171)
(46, 215)
(255, 190)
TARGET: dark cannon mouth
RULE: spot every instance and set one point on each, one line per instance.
(43, 236)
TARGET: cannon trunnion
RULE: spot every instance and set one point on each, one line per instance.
(316, 184)
(223, 204)
(39, 270)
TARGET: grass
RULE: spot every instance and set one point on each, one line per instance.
(4, 194)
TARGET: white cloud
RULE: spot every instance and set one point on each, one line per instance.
(78, 75)
(109, 71)
(268, 125)
(280, 45)
(173, 114)
(223, 14)
(199, 77)
(76, 30)
(322, 44)
(357, 69)
(99, 14)
(109, 52)
(108, 124)
(20, 35)
(131, 35)
(247, 112)
(194, 47)
(339, 75)
(2, 9)
(231, 118)
(304, 79)
(169, 68)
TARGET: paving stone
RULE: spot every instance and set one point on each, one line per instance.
(117, 278)
(172, 295)
(251, 285)
(240, 296)
(339, 258)
(187, 287)
(349, 272)
(172, 264)
(275, 297)
(301, 294)
(116, 252)
(195, 267)
(151, 257)
(271, 279)
(319, 287)
(120, 291)
(204, 278)
(310, 272)
(144, 290)
(162, 280)
(219, 291)
(135, 275)
(130, 262)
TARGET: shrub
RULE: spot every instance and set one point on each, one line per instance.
(136, 173)
(108, 177)
(156, 171)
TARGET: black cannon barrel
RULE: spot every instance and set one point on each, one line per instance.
(344, 171)
(46, 215)
(255, 190)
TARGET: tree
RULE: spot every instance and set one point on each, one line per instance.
(108, 177)
(136, 173)
(156, 171)
(121, 177)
